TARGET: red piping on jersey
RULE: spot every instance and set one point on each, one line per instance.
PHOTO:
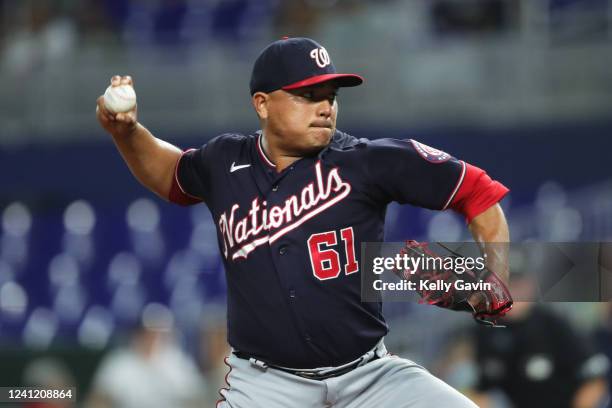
(459, 183)
(263, 154)
(177, 193)
(222, 399)
(477, 193)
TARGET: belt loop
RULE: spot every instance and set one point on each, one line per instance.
(258, 363)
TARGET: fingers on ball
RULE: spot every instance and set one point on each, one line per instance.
(102, 109)
(117, 80)
(125, 117)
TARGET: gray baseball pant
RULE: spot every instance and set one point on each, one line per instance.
(389, 381)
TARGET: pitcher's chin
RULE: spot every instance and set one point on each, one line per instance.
(320, 136)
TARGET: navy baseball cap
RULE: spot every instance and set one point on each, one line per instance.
(293, 63)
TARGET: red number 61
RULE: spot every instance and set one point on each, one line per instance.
(326, 262)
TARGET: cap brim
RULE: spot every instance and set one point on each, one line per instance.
(342, 80)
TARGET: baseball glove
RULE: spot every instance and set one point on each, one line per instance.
(440, 285)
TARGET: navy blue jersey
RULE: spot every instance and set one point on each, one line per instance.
(291, 240)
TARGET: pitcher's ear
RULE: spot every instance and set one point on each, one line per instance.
(260, 103)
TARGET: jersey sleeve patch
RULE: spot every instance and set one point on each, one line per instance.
(429, 153)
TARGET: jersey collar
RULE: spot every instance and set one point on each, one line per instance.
(261, 152)
(334, 143)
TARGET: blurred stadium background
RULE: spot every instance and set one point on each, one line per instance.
(522, 88)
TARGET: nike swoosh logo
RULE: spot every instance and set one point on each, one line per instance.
(242, 166)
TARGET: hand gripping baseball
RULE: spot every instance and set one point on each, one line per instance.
(121, 118)
(486, 306)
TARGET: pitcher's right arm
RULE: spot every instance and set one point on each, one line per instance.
(151, 160)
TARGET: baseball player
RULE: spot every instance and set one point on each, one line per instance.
(292, 204)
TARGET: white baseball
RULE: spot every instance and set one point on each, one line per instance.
(120, 98)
